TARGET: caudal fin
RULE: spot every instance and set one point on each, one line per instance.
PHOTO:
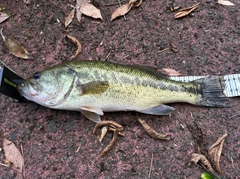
(210, 90)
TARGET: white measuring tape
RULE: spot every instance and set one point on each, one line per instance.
(232, 83)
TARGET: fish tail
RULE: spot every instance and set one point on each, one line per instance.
(210, 92)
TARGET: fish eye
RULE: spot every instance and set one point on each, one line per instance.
(37, 75)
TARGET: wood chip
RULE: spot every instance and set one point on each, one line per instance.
(186, 11)
(78, 44)
(151, 132)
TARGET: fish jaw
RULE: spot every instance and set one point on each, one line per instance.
(27, 91)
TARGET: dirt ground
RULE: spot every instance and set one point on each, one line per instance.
(207, 43)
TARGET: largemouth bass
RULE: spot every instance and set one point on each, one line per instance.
(94, 87)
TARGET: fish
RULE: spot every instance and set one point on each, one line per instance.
(95, 87)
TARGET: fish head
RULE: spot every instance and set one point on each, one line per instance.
(49, 87)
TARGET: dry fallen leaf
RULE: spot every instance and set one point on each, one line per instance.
(111, 144)
(3, 16)
(152, 132)
(77, 43)
(78, 6)
(86, 8)
(69, 18)
(169, 72)
(124, 9)
(186, 11)
(15, 48)
(202, 160)
(91, 11)
(103, 133)
(13, 155)
(215, 152)
(225, 3)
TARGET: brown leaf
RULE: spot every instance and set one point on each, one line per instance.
(13, 155)
(111, 144)
(124, 9)
(151, 132)
(3, 16)
(225, 3)
(91, 11)
(169, 72)
(15, 48)
(186, 11)
(215, 152)
(202, 160)
(78, 6)
(69, 18)
(77, 43)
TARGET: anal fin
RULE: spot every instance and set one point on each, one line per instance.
(158, 110)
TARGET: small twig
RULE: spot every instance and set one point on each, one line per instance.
(150, 170)
(79, 147)
(163, 50)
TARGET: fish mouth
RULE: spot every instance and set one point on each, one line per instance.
(25, 90)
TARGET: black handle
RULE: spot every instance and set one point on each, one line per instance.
(8, 83)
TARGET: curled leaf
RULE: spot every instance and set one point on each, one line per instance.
(77, 43)
(3, 16)
(69, 18)
(111, 144)
(184, 12)
(169, 72)
(108, 123)
(225, 3)
(151, 132)
(91, 11)
(15, 48)
(13, 155)
(215, 152)
(124, 9)
(202, 160)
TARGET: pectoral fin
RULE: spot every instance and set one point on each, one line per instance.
(159, 110)
(91, 113)
(94, 87)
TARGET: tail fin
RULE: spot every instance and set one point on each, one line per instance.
(210, 90)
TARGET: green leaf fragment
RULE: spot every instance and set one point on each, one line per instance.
(206, 175)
